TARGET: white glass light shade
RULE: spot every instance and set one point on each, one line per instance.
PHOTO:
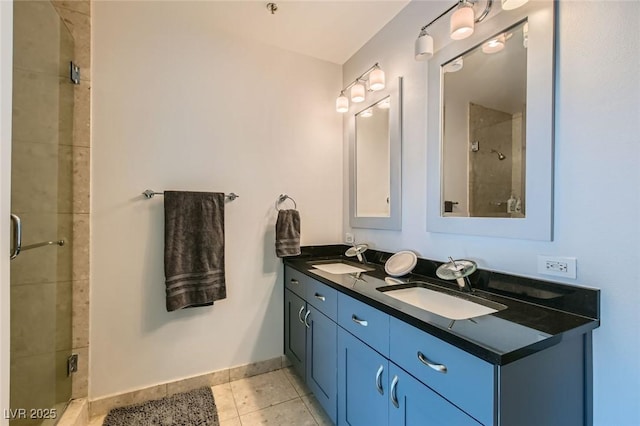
(342, 103)
(376, 79)
(424, 47)
(462, 22)
(512, 4)
(366, 113)
(357, 93)
(494, 45)
(454, 66)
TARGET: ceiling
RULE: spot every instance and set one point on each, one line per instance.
(329, 30)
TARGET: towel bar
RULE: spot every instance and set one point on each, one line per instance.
(150, 194)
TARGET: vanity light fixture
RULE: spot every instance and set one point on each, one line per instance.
(357, 92)
(461, 24)
(376, 80)
(496, 44)
(424, 46)
(462, 21)
(366, 113)
(512, 4)
(385, 104)
(342, 103)
(454, 66)
(373, 77)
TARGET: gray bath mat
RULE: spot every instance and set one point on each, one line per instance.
(193, 408)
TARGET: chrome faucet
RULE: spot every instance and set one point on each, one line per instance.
(458, 270)
(358, 251)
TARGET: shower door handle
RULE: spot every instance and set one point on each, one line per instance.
(17, 235)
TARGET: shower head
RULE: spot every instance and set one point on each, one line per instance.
(501, 156)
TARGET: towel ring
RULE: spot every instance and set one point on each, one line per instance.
(282, 198)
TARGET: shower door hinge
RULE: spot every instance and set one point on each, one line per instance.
(74, 73)
(72, 364)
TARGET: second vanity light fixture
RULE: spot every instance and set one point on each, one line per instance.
(461, 24)
(373, 77)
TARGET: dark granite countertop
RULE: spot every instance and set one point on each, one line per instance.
(539, 314)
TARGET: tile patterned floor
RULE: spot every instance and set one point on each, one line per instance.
(278, 398)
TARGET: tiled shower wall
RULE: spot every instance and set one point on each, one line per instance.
(76, 15)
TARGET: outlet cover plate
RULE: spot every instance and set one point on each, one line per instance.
(558, 266)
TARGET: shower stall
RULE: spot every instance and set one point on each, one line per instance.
(42, 166)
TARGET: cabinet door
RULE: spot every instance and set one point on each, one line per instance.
(295, 331)
(322, 375)
(362, 383)
(413, 404)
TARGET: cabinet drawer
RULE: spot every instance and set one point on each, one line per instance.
(295, 281)
(323, 298)
(462, 378)
(365, 322)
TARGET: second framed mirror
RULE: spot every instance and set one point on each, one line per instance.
(375, 139)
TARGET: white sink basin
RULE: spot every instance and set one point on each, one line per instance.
(445, 305)
(338, 268)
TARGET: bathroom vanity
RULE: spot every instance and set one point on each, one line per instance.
(372, 359)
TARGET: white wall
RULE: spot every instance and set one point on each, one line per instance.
(178, 106)
(6, 60)
(597, 197)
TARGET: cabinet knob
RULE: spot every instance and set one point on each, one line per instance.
(359, 321)
(440, 368)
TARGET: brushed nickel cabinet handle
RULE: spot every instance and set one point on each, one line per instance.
(379, 380)
(294, 281)
(300, 314)
(358, 321)
(440, 368)
(305, 319)
(320, 297)
(394, 392)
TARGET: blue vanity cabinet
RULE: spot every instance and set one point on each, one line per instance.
(362, 383)
(463, 379)
(414, 404)
(322, 375)
(295, 331)
(311, 336)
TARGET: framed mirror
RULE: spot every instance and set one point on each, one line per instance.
(375, 139)
(490, 138)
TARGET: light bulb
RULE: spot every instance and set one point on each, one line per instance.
(357, 92)
(376, 79)
(424, 47)
(342, 103)
(462, 22)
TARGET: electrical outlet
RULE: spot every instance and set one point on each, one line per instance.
(558, 266)
(348, 238)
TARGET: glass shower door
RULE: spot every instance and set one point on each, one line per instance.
(41, 196)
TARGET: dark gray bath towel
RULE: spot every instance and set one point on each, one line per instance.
(288, 233)
(193, 248)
